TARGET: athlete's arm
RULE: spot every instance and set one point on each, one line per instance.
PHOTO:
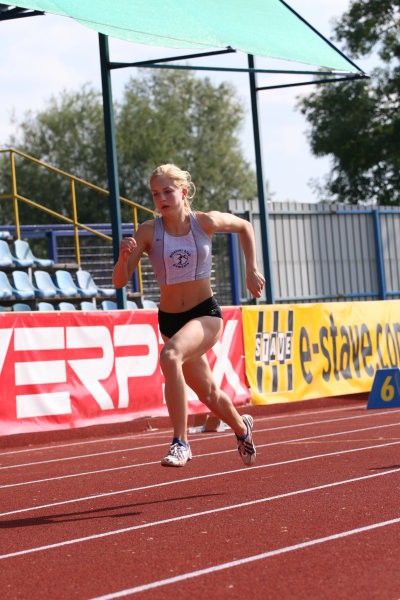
(130, 252)
(215, 221)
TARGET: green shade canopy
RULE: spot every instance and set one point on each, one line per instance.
(266, 28)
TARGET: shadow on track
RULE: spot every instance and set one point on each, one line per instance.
(94, 513)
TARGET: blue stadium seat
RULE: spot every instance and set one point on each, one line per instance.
(21, 307)
(66, 306)
(109, 305)
(6, 258)
(45, 287)
(86, 283)
(20, 256)
(149, 304)
(44, 306)
(6, 290)
(24, 257)
(65, 284)
(23, 288)
(86, 305)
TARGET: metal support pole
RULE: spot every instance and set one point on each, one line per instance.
(261, 187)
(379, 255)
(111, 154)
(234, 268)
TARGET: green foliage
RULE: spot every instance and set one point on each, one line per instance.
(176, 117)
(358, 123)
(163, 116)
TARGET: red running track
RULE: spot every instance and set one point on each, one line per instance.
(318, 516)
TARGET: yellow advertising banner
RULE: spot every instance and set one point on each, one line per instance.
(304, 351)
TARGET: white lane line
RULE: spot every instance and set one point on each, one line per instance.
(164, 432)
(192, 440)
(246, 560)
(56, 446)
(195, 478)
(155, 462)
(211, 511)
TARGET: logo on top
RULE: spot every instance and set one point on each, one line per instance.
(180, 258)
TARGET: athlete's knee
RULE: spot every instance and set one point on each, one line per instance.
(169, 358)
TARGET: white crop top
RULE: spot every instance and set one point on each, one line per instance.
(177, 259)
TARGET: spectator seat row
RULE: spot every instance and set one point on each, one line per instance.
(67, 306)
(45, 286)
(22, 256)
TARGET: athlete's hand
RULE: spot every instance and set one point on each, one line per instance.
(127, 246)
(255, 282)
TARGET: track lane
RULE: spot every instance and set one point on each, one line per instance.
(101, 477)
(62, 463)
(144, 502)
(275, 490)
(295, 519)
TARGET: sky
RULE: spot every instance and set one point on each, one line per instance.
(43, 56)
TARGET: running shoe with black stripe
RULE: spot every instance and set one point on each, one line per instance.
(178, 454)
(246, 447)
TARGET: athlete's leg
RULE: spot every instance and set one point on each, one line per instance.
(189, 344)
(199, 377)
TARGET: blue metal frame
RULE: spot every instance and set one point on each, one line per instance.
(160, 64)
(379, 255)
(234, 268)
(111, 153)
(266, 257)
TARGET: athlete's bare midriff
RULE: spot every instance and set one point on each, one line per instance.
(180, 297)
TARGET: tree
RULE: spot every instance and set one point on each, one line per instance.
(358, 123)
(174, 116)
(163, 116)
(68, 135)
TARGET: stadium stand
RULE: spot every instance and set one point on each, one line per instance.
(86, 305)
(6, 258)
(6, 290)
(86, 282)
(22, 260)
(65, 284)
(108, 305)
(21, 307)
(44, 306)
(45, 287)
(66, 306)
(111, 305)
(24, 257)
(23, 288)
(149, 303)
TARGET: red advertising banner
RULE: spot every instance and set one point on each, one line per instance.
(72, 369)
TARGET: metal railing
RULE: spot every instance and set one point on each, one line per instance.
(16, 198)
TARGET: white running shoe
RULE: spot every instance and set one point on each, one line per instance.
(177, 456)
(246, 447)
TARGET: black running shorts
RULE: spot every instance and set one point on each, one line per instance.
(170, 323)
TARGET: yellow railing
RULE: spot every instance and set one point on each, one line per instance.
(16, 198)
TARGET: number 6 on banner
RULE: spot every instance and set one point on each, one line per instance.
(385, 392)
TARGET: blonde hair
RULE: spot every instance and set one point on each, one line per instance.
(182, 180)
